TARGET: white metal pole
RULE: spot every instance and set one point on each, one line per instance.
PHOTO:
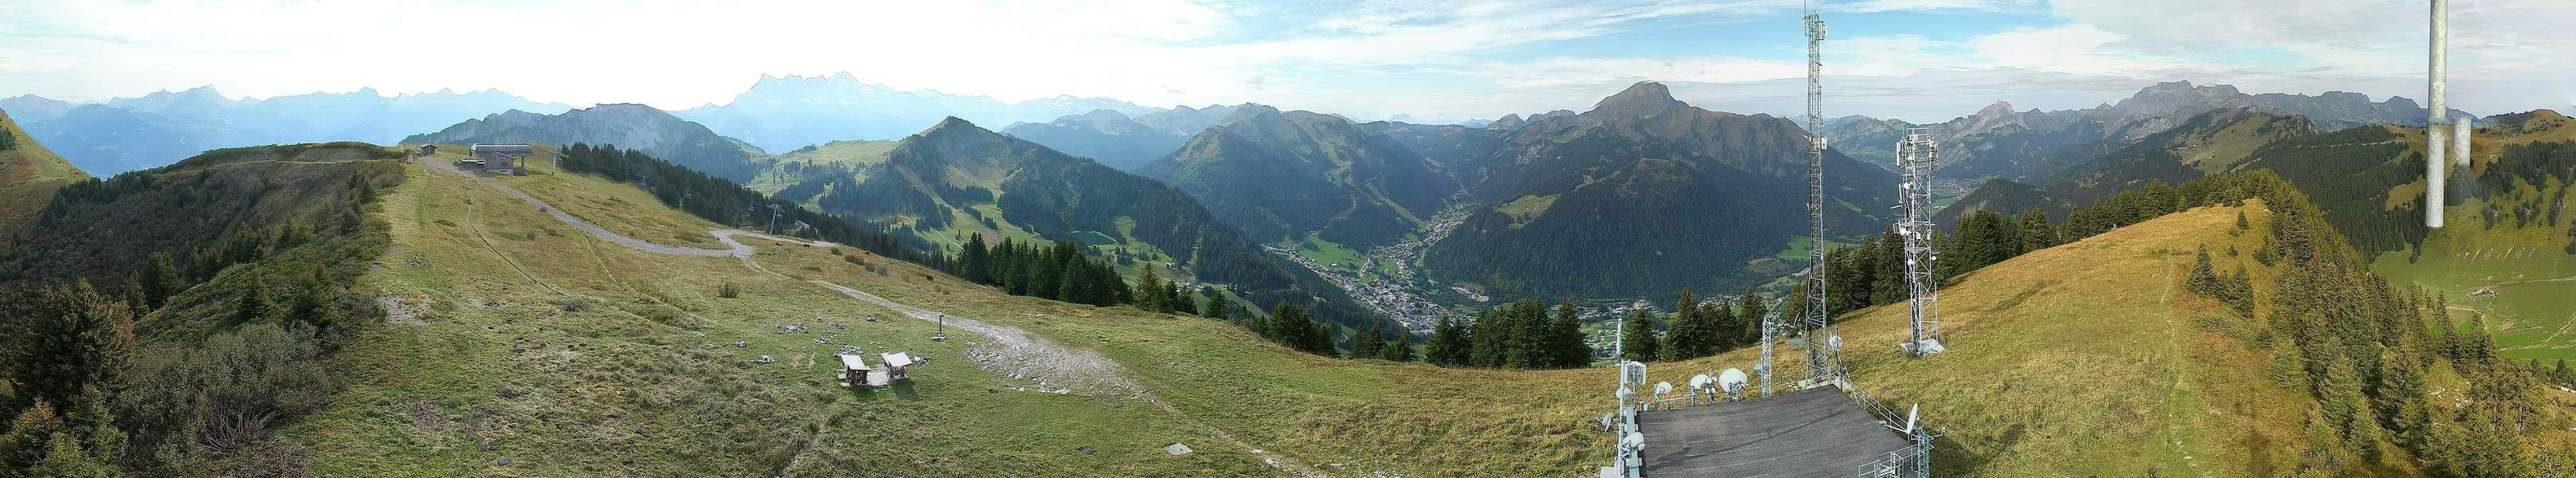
(2439, 64)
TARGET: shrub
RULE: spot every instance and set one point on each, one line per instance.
(728, 290)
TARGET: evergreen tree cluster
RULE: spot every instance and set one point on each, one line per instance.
(1522, 334)
(721, 200)
(1372, 344)
(1058, 271)
(1289, 325)
(2361, 349)
(2237, 290)
(244, 304)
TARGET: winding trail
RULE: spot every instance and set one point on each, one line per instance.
(1009, 351)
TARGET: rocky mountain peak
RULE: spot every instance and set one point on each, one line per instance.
(1645, 98)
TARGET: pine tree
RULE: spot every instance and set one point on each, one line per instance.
(64, 459)
(2340, 397)
(1686, 338)
(29, 435)
(2203, 280)
(1217, 308)
(1528, 342)
(1149, 290)
(1400, 350)
(1637, 339)
(2241, 224)
(96, 426)
(1889, 283)
(1450, 344)
(1751, 312)
(159, 280)
(2036, 233)
(1369, 344)
(75, 338)
(1492, 334)
(1566, 337)
(1727, 328)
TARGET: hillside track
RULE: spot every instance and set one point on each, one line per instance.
(1007, 351)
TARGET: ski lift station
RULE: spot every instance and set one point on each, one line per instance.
(502, 158)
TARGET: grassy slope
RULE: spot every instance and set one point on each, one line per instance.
(2533, 311)
(646, 383)
(2084, 359)
(855, 154)
(29, 174)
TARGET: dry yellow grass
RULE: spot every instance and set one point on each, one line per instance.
(2086, 359)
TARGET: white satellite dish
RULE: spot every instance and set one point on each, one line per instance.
(1702, 382)
(1909, 417)
(1663, 388)
(1634, 441)
(1625, 394)
(1731, 380)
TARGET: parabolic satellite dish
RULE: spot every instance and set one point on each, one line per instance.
(1702, 382)
(1663, 388)
(1731, 380)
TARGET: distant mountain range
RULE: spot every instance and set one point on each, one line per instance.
(1106, 136)
(629, 126)
(1644, 195)
(1282, 175)
(2212, 142)
(2000, 142)
(126, 134)
(786, 113)
(956, 180)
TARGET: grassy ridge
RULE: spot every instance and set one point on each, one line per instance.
(2083, 359)
(29, 173)
(493, 367)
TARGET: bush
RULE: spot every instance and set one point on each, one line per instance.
(225, 393)
(728, 290)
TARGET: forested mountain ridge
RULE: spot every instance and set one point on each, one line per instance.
(1645, 195)
(630, 126)
(1102, 135)
(2211, 142)
(1871, 140)
(955, 181)
(1282, 175)
(29, 174)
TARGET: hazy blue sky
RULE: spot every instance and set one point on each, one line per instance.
(1923, 60)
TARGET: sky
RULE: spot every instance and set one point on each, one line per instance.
(1920, 60)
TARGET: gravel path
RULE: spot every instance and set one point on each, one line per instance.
(593, 229)
(1008, 351)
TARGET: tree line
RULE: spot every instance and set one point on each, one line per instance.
(241, 315)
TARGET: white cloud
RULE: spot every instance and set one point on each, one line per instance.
(2070, 48)
(1366, 58)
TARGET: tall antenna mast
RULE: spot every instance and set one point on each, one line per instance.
(2438, 66)
(1916, 155)
(1821, 360)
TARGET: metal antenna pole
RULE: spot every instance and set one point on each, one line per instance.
(1916, 155)
(1821, 360)
(2439, 64)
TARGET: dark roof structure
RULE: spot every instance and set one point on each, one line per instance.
(1814, 432)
